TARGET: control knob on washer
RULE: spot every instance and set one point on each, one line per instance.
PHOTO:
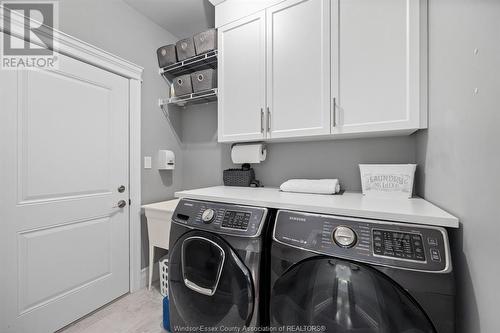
(208, 215)
(344, 237)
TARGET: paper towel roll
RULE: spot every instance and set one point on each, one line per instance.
(248, 153)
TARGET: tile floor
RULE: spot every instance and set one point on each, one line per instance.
(140, 312)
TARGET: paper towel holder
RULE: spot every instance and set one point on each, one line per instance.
(264, 146)
(263, 149)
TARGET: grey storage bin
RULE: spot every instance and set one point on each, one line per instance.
(204, 80)
(185, 48)
(166, 55)
(205, 41)
(182, 85)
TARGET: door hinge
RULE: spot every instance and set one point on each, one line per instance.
(129, 202)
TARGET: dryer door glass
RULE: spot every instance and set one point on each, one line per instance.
(340, 296)
(209, 284)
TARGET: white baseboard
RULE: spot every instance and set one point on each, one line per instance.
(145, 278)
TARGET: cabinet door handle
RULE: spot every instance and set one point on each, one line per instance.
(334, 112)
(268, 119)
(262, 120)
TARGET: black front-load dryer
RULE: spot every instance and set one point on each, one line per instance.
(216, 267)
(338, 274)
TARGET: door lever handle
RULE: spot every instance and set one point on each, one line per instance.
(120, 204)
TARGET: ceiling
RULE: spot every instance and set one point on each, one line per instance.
(182, 18)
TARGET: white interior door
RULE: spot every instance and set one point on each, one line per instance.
(242, 79)
(298, 62)
(64, 152)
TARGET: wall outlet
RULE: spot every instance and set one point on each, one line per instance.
(147, 162)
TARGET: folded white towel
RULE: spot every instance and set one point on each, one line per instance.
(317, 186)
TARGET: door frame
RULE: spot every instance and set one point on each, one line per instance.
(85, 52)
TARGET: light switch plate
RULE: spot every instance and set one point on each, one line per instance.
(147, 162)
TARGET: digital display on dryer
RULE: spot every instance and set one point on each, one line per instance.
(399, 245)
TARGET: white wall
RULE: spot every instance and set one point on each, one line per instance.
(117, 28)
(460, 154)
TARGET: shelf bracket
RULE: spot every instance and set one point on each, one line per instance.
(161, 104)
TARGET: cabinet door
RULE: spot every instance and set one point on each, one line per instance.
(379, 65)
(298, 75)
(242, 72)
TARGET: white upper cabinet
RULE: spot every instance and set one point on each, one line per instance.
(242, 73)
(379, 54)
(298, 68)
(322, 69)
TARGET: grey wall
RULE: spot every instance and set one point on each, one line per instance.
(205, 159)
(332, 159)
(192, 132)
(460, 154)
(117, 28)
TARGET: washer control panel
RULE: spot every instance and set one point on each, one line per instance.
(220, 218)
(385, 243)
(396, 244)
(234, 219)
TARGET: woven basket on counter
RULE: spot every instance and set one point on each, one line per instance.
(239, 177)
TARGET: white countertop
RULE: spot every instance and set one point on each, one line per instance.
(354, 204)
(163, 206)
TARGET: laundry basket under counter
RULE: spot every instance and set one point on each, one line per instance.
(159, 218)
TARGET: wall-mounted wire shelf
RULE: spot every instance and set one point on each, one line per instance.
(190, 65)
(200, 97)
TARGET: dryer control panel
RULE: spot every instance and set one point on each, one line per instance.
(244, 221)
(384, 243)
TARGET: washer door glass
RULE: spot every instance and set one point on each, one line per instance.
(344, 297)
(209, 284)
